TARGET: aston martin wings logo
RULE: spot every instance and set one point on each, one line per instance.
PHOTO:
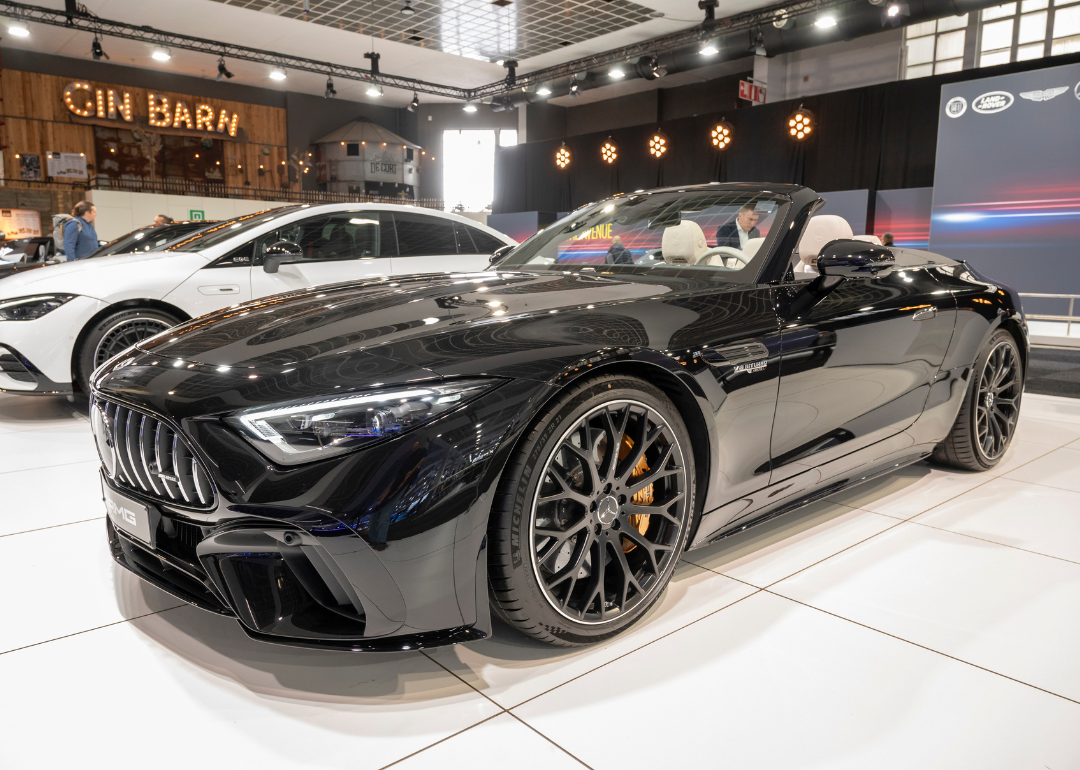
(1045, 95)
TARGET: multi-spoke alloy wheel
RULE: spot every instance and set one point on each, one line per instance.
(986, 422)
(114, 333)
(998, 403)
(125, 334)
(593, 512)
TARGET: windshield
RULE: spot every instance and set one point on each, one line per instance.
(230, 228)
(147, 238)
(726, 234)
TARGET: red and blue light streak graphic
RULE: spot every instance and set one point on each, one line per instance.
(1049, 218)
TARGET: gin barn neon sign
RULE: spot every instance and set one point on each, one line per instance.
(84, 100)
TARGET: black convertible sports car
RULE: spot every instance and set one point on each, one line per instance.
(377, 465)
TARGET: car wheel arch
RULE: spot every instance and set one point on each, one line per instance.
(130, 304)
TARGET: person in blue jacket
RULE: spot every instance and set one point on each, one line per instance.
(80, 238)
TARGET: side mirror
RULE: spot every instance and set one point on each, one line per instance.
(848, 258)
(281, 253)
(499, 254)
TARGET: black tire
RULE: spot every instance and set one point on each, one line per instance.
(629, 512)
(114, 332)
(985, 426)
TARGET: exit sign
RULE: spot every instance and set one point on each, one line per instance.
(197, 214)
(751, 92)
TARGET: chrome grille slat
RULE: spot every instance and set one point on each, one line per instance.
(163, 465)
(144, 437)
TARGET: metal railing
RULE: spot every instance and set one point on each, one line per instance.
(1069, 319)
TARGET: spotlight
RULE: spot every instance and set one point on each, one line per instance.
(222, 70)
(825, 21)
(709, 6)
(469, 107)
(893, 10)
(374, 57)
(414, 105)
(18, 29)
(511, 71)
(658, 144)
(649, 68)
(562, 157)
(721, 135)
(407, 9)
(374, 89)
(758, 46)
(783, 21)
(277, 73)
(97, 51)
(801, 123)
(709, 48)
(161, 54)
(617, 73)
(543, 91)
(330, 90)
(609, 152)
(575, 88)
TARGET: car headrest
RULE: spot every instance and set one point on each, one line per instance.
(821, 230)
(868, 238)
(683, 243)
(752, 246)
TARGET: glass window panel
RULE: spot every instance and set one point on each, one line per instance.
(950, 23)
(1065, 45)
(420, 235)
(920, 50)
(1032, 27)
(920, 71)
(951, 45)
(918, 30)
(999, 12)
(1029, 52)
(994, 58)
(997, 35)
(1033, 5)
(1067, 22)
(953, 65)
(1059, 3)
(508, 137)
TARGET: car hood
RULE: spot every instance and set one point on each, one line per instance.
(8, 269)
(337, 338)
(100, 276)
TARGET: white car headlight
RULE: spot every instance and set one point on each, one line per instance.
(314, 429)
(29, 308)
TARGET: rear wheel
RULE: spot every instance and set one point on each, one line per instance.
(113, 334)
(592, 513)
(986, 424)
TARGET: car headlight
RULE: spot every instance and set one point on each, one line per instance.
(314, 429)
(29, 308)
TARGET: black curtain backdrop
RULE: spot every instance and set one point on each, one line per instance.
(879, 137)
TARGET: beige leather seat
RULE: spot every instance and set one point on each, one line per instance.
(683, 243)
(868, 238)
(819, 230)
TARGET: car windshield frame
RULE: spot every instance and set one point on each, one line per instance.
(230, 228)
(659, 209)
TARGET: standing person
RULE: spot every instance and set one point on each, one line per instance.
(618, 254)
(80, 238)
(736, 234)
(887, 239)
(161, 219)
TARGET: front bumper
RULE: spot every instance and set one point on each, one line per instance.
(35, 356)
(381, 549)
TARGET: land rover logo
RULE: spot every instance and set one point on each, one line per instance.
(994, 101)
(956, 106)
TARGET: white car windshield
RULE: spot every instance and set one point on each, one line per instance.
(723, 233)
(230, 228)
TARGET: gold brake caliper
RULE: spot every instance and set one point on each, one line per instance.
(639, 521)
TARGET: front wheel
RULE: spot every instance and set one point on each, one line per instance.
(115, 333)
(987, 420)
(593, 513)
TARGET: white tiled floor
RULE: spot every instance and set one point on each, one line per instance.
(928, 619)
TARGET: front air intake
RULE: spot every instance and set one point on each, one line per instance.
(148, 456)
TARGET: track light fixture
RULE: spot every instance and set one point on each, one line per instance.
(562, 156)
(609, 152)
(722, 134)
(374, 90)
(709, 48)
(649, 68)
(543, 90)
(758, 45)
(709, 6)
(374, 58)
(575, 87)
(222, 70)
(277, 73)
(161, 54)
(511, 71)
(801, 123)
(658, 145)
(97, 51)
(782, 21)
(617, 73)
(825, 21)
(18, 29)
(330, 90)
(414, 105)
(469, 107)
(407, 9)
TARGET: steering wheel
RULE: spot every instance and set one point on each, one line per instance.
(723, 251)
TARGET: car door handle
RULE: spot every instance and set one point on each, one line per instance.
(211, 291)
(925, 314)
(732, 355)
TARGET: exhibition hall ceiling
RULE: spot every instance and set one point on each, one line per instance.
(457, 50)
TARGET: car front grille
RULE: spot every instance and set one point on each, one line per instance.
(150, 456)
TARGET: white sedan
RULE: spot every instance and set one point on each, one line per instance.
(59, 323)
